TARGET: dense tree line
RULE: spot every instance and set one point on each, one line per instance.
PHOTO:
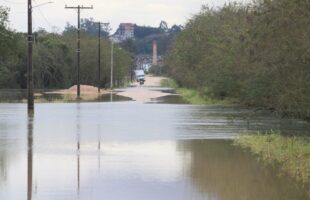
(89, 26)
(54, 57)
(141, 32)
(257, 53)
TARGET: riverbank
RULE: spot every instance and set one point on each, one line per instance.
(291, 153)
(193, 96)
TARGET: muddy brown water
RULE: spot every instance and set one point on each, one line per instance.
(134, 151)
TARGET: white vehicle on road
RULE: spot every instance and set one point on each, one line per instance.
(140, 77)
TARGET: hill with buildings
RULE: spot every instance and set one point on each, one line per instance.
(140, 41)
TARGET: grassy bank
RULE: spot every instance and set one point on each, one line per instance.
(193, 96)
(291, 153)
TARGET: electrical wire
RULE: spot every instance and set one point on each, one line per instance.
(13, 2)
(47, 22)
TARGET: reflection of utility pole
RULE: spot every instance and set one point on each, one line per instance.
(99, 146)
(78, 163)
(30, 157)
(78, 131)
(112, 54)
(78, 44)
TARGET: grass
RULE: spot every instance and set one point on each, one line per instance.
(193, 96)
(167, 82)
(291, 153)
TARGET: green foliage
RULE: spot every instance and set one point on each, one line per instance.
(193, 96)
(4, 15)
(90, 27)
(11, 59)
(256, 53)
(51, 58)
(292, 153)
(170, 83)
(54, 58)
(196, 97)
(89, 60)
(158, 70)
(144, 31)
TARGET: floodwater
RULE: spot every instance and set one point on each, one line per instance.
(135, 151)
(19, 96)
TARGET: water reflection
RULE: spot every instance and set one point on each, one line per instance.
(131, 151)
(78, 153)
(3, 166)
(19, 96)
(99, 146)
(30, 156)
(12, 95)
(3, 158)
(170, 99)
(224, 172)
(227, 121)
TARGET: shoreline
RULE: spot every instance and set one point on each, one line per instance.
(292, 154)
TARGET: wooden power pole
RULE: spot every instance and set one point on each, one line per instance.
(99, 54)
(112, 63)
(78, 44)
(99, 51)
(30, 103)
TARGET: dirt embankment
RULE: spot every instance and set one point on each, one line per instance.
(145, 93)
(85, 89)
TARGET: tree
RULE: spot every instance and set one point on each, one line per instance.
(258, 54)
(89, 26)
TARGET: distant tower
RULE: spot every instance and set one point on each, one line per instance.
(155, 53)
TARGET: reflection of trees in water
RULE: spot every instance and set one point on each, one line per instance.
(3, 155)
(224, 171)
(3, 164)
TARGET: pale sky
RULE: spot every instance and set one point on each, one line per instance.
(141, 12)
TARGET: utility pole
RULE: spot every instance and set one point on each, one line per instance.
(30, 103)
(78, 44)
(99, 55)
(99, 52)
(112, 54)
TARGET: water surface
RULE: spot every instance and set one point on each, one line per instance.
(135, 151)
(20, 96)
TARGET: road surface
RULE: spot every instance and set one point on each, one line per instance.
(145, 93)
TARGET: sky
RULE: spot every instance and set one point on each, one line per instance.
(53, 17)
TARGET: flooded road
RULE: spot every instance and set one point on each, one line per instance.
(133, 151)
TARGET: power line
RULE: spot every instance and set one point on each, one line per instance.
(13, 2)
(43, 16)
